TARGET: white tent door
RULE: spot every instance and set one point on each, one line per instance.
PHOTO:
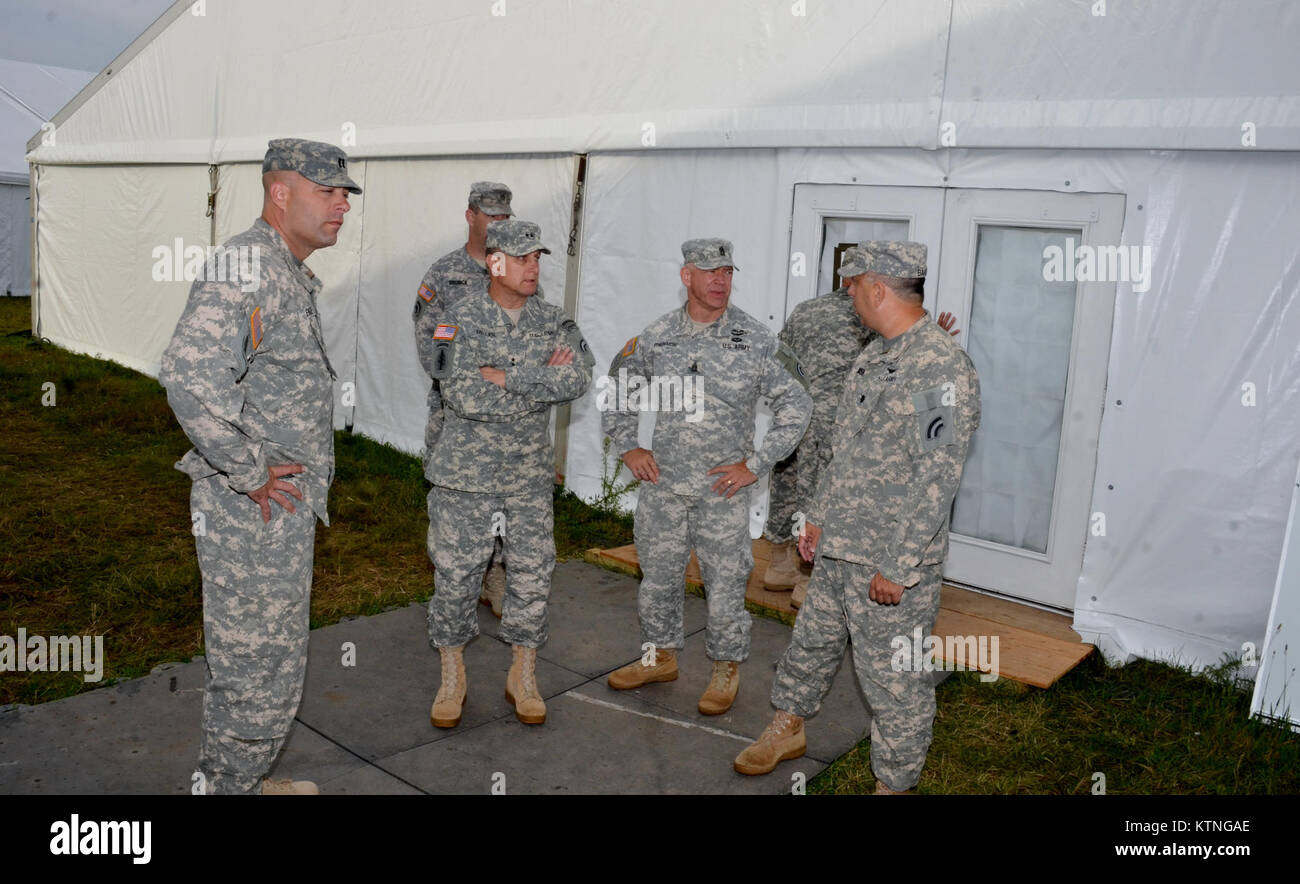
(830, 217)
(1040, 346)
(1037, 326)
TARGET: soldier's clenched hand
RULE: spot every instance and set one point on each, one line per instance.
(884, 591)
(641, 461)
(274, 485)
(733, 477)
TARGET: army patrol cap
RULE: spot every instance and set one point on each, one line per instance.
(708, 254)
(321, 163)
(490, 198)
(902, 260)
(515, 237)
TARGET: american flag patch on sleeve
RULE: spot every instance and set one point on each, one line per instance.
(255, 327)
(445, 333)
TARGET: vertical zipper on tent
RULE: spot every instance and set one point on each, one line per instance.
(212, 204)
(572, 271)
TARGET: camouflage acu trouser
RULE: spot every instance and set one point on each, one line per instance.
(666, 528)
(838, 609)
(463, 528)
(256, 601)
(794, 482)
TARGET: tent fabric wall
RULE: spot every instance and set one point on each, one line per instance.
(423, 218)
(97, 229)
(1193, 483)
(15, 240)
(911, 73)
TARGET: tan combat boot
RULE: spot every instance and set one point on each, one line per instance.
(494, 586)
(882, 789)
(783, 567)
(521, 687)
(800, 590)
(721, 692)
(783, 740)
(633, 675)
(289, 787)
(451, 693)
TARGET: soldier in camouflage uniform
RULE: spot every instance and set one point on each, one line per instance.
(826, 335)
(879, 522)
(250, 383)
(451, 277)
(503, 358)
(722, 360)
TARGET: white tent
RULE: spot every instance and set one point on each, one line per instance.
(1141, 412)
(29, 95)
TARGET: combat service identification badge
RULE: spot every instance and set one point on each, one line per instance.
(934, 420)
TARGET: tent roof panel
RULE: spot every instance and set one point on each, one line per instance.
(401, 77)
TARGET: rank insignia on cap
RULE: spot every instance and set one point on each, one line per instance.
(427, 294)
(445, 332)
(255, 327)
(630, 347)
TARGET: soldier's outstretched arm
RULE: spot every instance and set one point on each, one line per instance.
(947, 415)
(550, 384)
(785, 385)
(210, 351)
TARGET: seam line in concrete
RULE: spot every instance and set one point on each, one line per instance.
(674, 721)
(359, 757)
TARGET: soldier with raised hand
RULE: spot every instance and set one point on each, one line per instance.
(503, 358)
(452, 276)
(722, 361)
(826, 335)
(879, 522)
(249, 380)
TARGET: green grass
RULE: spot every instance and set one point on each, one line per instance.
(95, 539)
(1148, 728)
(95, 525)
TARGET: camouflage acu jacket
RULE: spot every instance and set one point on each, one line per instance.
(705, 388)
(826, 336)
(247, 375)
(494, 440)
(904, 423)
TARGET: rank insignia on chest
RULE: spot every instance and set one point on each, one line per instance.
(427, 294)
(255, 327)
(445, 332)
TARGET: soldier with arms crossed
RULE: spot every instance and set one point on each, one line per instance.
(503, 357)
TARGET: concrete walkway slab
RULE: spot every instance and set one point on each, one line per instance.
(364, 728)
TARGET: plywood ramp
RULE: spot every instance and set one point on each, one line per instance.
(1033, 646)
